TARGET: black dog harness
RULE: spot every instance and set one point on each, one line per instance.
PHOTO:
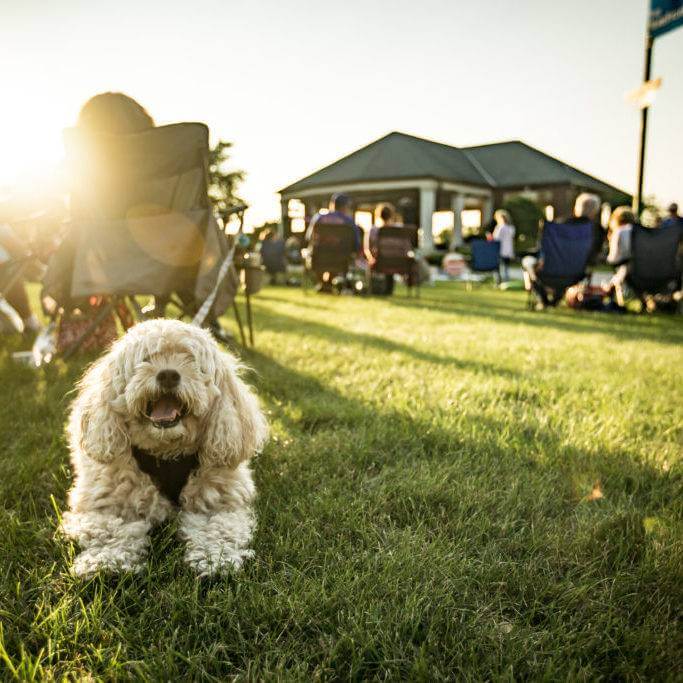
(169, 476)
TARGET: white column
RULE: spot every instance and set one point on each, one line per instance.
(427, 208)
(457, 206)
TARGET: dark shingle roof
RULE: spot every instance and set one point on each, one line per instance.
(516, 164)
(399, 156)
(396, 156)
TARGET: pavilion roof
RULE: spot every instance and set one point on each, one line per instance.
(398, 156)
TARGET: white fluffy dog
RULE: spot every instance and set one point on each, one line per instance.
(163, 422)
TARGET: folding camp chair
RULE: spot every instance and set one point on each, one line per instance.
(655, 268)
(396, 255)
(12, 271)
(141, 224)
(331, 253)
(485, 257)
(566, 249)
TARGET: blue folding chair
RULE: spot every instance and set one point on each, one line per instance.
(485, 257)
(566, 249)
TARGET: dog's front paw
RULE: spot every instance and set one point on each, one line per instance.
(92, 560)
(222, 560)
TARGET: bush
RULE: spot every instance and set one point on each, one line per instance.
(526, 216)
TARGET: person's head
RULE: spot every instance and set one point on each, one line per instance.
(114, 112)
(385, 214)
(622, 215)
(266, 235)
(502, 217)
(587, 205)
(673, 210)
(340, 202)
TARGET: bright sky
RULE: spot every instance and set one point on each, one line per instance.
(553, 74)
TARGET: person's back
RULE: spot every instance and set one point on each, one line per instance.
(339, 213)
(504, 234)
(621, 227)
(672, 217)
(272, 250)
(586, 211)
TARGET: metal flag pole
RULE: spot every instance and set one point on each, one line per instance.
(664, 16)
(638, 199)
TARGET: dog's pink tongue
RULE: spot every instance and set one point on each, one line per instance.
(166, 409)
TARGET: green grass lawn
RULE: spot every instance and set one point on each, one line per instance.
(429, 506)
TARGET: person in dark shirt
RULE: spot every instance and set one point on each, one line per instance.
(672, 217)
(384, 218)
(273, 254)
(340, 212)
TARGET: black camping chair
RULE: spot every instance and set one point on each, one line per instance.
(655, 268)
(396, 247)
(332, 249)
(141, 225)
(566, 249)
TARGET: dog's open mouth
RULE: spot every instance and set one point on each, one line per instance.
(166, 411)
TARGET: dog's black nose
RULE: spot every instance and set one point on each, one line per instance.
(168, 379)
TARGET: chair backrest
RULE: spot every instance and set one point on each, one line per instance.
(332, 246)
(566, 250)
(141, 217)
(654, 257)
(161, 169)
(485, 255)
(396, 249)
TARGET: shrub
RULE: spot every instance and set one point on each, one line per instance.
(526, 215)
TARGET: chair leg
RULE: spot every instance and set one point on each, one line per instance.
(238, 318)
(101, 315)
(250, 322)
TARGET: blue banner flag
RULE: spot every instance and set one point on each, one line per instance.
(665, 15)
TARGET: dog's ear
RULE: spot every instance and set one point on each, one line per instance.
(95, 428)
(236, 427)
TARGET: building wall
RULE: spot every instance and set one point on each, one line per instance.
(560, 197)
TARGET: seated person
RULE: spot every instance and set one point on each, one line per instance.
(12, 248)
(620, 227)
(384, 217)
(340, 213)
(672, 217)
(586, 209)
(272, 250)
(119, 114)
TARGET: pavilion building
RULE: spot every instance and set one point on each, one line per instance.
(422, 178)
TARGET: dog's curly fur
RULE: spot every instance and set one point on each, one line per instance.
(113, 503)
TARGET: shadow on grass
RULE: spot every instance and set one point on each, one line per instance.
(370, 509)
(281, 322)
(321, 409)
(660, 328)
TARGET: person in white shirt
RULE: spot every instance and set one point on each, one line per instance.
(620, 228)
(504, 232)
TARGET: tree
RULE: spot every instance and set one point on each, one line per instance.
(223, 183)
(526, 216)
